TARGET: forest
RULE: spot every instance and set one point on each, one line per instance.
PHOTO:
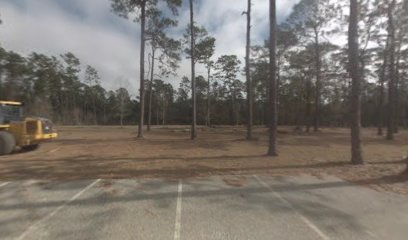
(313, 72)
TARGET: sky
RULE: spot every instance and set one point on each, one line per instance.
(99, 38)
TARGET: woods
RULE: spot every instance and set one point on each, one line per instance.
(306, 74)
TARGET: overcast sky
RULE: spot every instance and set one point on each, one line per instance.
(99, 38)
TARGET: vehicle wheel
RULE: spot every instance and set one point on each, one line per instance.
(30, 147)
(7, 143)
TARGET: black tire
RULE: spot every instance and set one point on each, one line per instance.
(7, 143)
(30, 147)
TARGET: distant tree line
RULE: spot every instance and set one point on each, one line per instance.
(61, 89)
(64, 90)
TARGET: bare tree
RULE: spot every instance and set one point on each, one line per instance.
(142, 70)
(354, 69)
(272, 151)
(123, 8)
(248, 73)
(382, 90)
(391, 72)
(193, 89)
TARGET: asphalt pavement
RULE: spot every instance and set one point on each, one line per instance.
(219, 207)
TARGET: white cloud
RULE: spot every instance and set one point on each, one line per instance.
(92, 32)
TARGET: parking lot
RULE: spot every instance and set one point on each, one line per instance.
(227, 207)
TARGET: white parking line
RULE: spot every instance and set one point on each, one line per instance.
(36, 224)
(4, 184)
(54, 150)
(290, 205)
(177, 226)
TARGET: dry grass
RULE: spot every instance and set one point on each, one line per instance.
(114, 152)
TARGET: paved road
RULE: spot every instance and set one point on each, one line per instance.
(243, 207)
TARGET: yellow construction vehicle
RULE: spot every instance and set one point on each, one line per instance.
(18, 131)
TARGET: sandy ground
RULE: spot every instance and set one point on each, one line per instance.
(114, 153)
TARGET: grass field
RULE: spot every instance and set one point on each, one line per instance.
(91, 152)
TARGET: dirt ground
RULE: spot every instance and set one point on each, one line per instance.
(115, 153)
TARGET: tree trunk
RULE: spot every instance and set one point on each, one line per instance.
(272, 151)
(316, 123)
(248, 74)
(308, 105)
(149, 121)
(391, 83)
(163, 112)
(157, 116)
(356, 151)
(233, 108)
(208, 119)
(238, 110)
(298, 111)
(95, 112)
(104, 114)
(193, 89)
(382, 93)
(397, 82)
(142, 59)
(278, 82)
(121, 112)
(74, 107)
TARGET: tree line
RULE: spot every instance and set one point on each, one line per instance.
(60, 88)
